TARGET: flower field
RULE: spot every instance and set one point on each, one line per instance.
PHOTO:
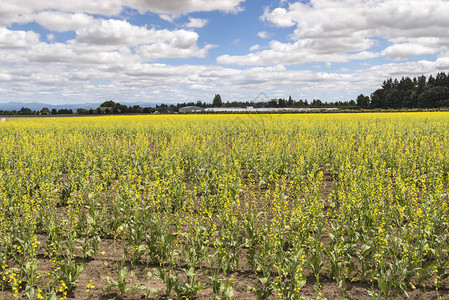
(225, 206)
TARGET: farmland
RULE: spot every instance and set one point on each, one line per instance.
(219, 206)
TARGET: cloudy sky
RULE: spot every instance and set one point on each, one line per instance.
(84, 51)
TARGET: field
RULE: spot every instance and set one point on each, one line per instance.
(219, 206)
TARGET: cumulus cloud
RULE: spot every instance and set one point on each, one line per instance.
(17, 39)
(162, 50)
(279, 17)
(300, 52)
(60, 22)
(118, 32)
(103, 42)
(263, 34)
(125, 56)
(404, 51)
(196, 23)
(254, 47)
(23, 10)
(134, 80)
(328, 31)
(99, 31)
(184, 6)
(169, 18)
(51, 37)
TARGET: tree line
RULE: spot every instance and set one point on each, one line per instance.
(272, 103)
(419, 92)
(25, 111)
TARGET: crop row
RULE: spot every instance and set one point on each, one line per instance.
(183, 206)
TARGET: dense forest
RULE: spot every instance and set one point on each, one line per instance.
(413, 93)
(419, 92)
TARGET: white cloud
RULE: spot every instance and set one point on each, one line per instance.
(169, 18)
(49, 53)
(162, 50)
(196, 22)
(134, 80)
(22, 10)
(60, 22)
(279, 17)
(183, 39)
(393, 19)
(263, 34)
(345, 30)
(184, 6)
(300, 52)
(17, 39)
(51, 37)
(404, 51)
(124, 56)
(254, 47)
(106, 43)
(118, 32)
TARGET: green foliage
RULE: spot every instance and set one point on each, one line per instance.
(408, 93)
(305, 198)
(217, 102)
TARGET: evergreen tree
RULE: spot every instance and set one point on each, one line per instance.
(363, 101)
(217, 102)
(290, 101)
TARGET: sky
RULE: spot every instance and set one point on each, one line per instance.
(173, 51)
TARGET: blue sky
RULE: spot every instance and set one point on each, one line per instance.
(66, 52)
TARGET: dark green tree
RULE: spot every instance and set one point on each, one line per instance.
(282, 102)
(410, 99)
(363, 101)
(388, 84)
(65, 111)
(290, 101)
(45, 111)
(316, 103)
(217, 102)
(393, 98)
(377, 99)
(273, 103)
(405, 84)
(434, 96)
(25, 111)
(109, 103)
(442, 79)
(119, 108)
(431, 80)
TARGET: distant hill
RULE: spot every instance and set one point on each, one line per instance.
(38, 106)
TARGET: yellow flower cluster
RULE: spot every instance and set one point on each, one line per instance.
(366, 193)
